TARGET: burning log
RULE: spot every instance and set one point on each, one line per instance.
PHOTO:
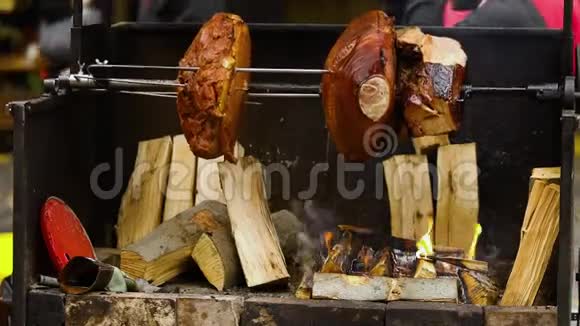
(479, 288)
(538, 235)
(166, 252)
(458, 203)
(469, 264)
(410, 199)
(254, 233)
(364, 261)
(304, 290)
(337, 257)
(142, 203)
(181, 180)
(377, 288)
(425, 268)
(381, 267)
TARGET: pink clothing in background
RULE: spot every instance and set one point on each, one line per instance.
(452, 17)
(553, 13)
(551, 10)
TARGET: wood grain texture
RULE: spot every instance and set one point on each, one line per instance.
(208, 185)
(378, 288)
(166, 252)
(142, 204)
(410, 198)
(181, 180)
(256, 239)
(458, 197)
(216, 256)
(539, 231)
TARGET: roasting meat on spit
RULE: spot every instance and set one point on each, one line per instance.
(359, 90)
(431, 74)
(210, 104)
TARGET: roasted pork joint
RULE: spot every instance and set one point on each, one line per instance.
(358, 93)
(431, 73)
(210, 104)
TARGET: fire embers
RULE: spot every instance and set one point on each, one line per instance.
(431, 73)
(348, 252)
(343, 259)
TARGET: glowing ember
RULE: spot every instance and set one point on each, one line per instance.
(365, 258)
(425, 245)
(473, 247)
(328, 237)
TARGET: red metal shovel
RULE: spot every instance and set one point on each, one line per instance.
(64, 235)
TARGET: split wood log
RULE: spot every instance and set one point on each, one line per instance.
(181, 181)
(377, 288)
(215, 252)
(256, 238)
(427, 144)
(410, 199)
(142, 204)
(166, 252)
(208, 185)
(458, 199)
(479, 288)
(538, 236)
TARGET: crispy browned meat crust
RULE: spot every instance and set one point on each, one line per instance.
(431, 73)
(365, 50)
(211, 104)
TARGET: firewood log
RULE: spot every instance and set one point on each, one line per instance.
(538, 235)
(181, 180)
(256, 238)
(142, 204)
(208, 180)
(458, 197)
(410, 199)
(377, 288)
(215, 252)
(166, 252)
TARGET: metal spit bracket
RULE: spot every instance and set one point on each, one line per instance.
(563, 91)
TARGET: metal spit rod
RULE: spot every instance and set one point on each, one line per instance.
(167, 88)
(237, 69)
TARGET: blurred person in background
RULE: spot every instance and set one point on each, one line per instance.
(490, 13)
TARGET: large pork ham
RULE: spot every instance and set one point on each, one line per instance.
(431, 73)
(358, 93)
(211, 102)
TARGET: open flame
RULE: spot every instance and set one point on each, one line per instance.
(425, 244)
(473, 247)
(328, 237)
